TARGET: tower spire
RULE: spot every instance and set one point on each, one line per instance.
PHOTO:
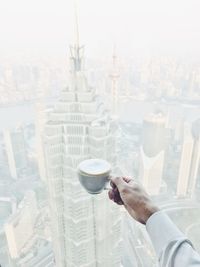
(76, 28)
(76, 50)
(114, 76)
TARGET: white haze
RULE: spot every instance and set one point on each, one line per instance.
(135, 26)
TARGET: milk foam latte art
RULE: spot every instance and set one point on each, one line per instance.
(94, 175)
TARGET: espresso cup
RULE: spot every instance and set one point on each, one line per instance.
(94, 175)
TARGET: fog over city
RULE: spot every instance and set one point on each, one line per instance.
(134, 26)
(116, 80)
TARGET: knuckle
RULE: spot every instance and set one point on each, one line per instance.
(124, 190)
(117, 179)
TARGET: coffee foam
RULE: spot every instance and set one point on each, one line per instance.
(94, 167)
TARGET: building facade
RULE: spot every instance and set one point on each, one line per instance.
(85, 228)
(152, 152)
(15, 148)
(190, 160)
(19, 228)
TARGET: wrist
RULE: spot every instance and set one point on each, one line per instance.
(149, 210)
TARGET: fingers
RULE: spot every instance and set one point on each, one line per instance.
(112, 184)
(111, 194)
(115, 196)
(128, 180)
(118, 182)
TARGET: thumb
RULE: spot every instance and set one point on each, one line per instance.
(119, 182)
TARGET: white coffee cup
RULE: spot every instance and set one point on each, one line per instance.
(94, 175)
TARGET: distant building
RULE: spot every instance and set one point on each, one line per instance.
(40, 119)
(15, 150)
(151, 172)
(195, 165)
(114, 76)
(185, 163)
(19, 228)
(190, 160)
(41, 256)
(85, 228)
(153, 152)
(7, 207)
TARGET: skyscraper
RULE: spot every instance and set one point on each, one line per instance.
(152, 152)
(190, 160)
(85, 228)
(15, 150)
(195, 165)
(19, 228)
(39, 128)
(114, 76)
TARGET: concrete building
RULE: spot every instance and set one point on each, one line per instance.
(15, 150)
(19, 228)
(151, 172)
(40, 120)
(152, 152)
(114, 76)
(7, 207)
(40, 256)
(190, 160)
(85, 229)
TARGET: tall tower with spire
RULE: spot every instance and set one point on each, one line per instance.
(85, 229)
(114, 76)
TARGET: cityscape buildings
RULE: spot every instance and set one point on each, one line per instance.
(140, 146)
(152, 97)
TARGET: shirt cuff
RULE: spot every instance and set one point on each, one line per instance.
(162, 231)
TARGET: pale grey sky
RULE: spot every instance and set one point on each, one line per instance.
(135, 26)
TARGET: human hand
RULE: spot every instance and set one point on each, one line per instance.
(133, 196)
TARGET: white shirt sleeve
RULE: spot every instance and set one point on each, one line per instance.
(172, 247)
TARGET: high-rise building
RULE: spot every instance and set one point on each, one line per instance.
(152, 152)
(39, 256)
(19, 228)
(114, 76)
(85, 229)
(185, 162)
(7, 207)
(151, 172)
(190, 160)
(40, 119)
(195, 164)
(15, 150)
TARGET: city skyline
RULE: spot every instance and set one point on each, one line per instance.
(126, 103)
(134, 110)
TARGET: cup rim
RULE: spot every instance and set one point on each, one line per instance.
(94, 175)
(106, 170)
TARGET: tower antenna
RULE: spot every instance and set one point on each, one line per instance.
(76, 50)
(114, 76)
(76, 30)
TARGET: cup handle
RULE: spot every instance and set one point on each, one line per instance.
(108, 186)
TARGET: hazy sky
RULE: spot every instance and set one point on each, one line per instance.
(135, 26)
